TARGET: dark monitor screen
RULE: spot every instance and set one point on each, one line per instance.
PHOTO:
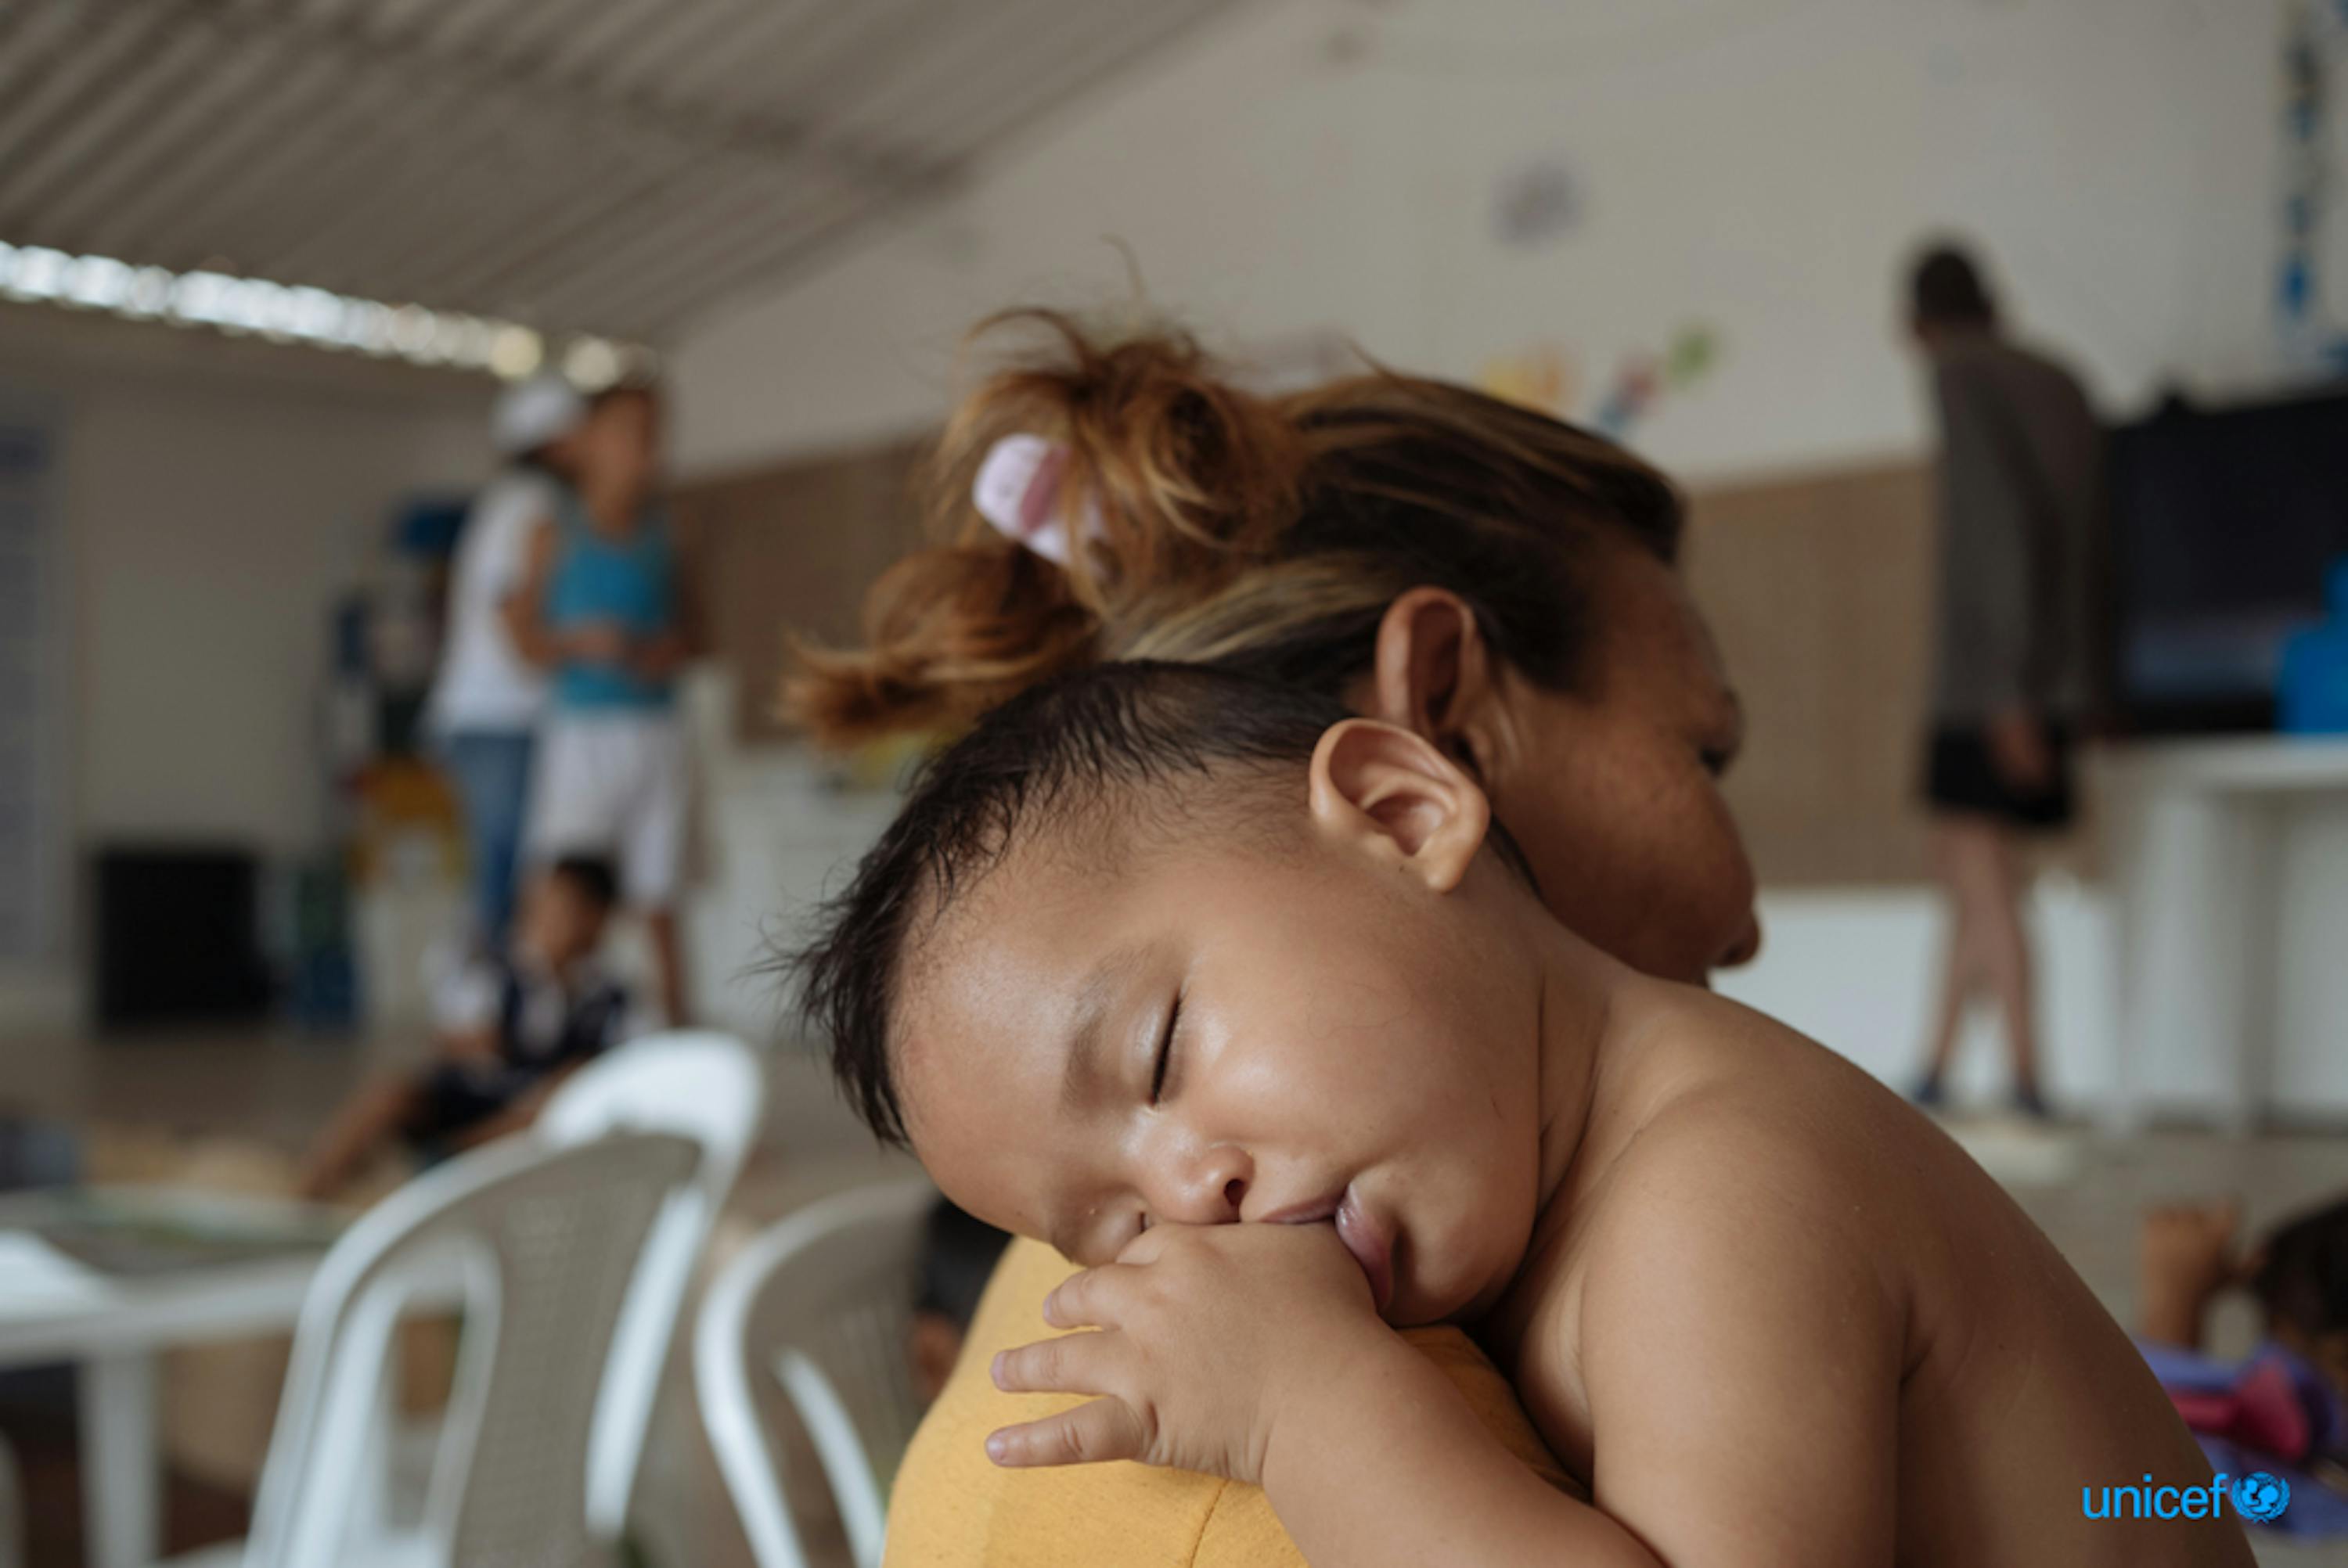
(2223, 521)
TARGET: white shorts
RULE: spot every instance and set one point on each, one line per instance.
(614, 784)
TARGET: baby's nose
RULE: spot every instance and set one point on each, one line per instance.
(1217, 1187)
(1234, 1192)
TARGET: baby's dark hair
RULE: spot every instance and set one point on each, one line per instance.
(2303, 1276)
(1129, 746)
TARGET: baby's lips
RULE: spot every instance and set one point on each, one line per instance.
(1366, 1240)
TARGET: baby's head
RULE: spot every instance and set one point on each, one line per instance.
(1155, 943)
(565, 909)
(2300, 1276)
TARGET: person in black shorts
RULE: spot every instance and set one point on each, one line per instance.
(510, 1030)
(2021, 476)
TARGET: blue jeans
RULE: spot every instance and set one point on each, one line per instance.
(491, 768)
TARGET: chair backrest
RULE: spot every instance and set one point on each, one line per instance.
(697, 1084)
(538, 1246)
(820, 1304)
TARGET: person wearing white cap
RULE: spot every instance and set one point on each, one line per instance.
(488, 699)
(607, 604)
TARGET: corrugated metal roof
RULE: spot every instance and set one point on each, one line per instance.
(607, 166)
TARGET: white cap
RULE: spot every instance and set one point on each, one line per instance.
(530, 414)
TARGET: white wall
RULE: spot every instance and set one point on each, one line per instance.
(1319, 166)
(1853, 967)
(216, 497)
(1761, 166)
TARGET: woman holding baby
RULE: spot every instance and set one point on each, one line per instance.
(1495, 583)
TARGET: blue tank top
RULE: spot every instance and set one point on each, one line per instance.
(599, 577)
(2312, 687)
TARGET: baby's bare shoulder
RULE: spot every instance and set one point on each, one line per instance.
(1716, 1151)
(1741, 1161)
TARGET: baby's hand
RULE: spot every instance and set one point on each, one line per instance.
(1203, 1330)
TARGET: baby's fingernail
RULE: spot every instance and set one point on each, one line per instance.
(995, 1368)
(998, 1447)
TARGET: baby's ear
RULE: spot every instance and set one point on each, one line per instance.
(1392, 792)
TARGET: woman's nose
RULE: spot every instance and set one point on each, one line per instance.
(1746, 945)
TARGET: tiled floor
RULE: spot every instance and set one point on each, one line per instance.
(2085, 1190)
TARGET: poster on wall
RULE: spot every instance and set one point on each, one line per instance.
(30, 636)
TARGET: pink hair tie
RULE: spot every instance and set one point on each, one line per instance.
(1018, 491)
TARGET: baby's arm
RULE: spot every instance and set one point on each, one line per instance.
(1252, 1351)
(1385, 1463)
(1742, 1341)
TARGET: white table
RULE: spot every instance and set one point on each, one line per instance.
(113, 1327)
(2199, 831)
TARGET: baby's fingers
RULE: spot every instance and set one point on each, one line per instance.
(1089, 1300)
(1072, 1364)
(1103, 1430)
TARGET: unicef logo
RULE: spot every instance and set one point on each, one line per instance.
(2261, 1497)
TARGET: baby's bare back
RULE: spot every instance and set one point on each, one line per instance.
(2011, 1398)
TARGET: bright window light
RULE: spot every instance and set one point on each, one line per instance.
(592, 365)
(462, 341)
(315, 315)
(201, 298)
(515, 352)
(101, 283)
(411, 333)
(367, 326)
(39, 273)
(299, 314)
(250, 304)
(150, 293)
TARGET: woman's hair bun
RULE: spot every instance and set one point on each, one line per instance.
(1191, 477)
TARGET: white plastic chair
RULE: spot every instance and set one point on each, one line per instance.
(702, 1085)
(820, 1304)
(698, 1092)
(539, 1245)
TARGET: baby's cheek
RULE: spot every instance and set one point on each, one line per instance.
(975, 1184)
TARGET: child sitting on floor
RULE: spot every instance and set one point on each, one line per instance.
(511, 1030)
(2282, 1409)
(1158, 951)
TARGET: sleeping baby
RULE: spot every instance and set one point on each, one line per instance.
(1249, 1006)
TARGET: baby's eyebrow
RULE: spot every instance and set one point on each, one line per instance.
(1098, 993)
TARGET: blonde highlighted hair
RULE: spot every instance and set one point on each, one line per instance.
(1261, 534)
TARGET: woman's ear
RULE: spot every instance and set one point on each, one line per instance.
(1381, 788)
(1432, 674)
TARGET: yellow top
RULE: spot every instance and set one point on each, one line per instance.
(953, 1508)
